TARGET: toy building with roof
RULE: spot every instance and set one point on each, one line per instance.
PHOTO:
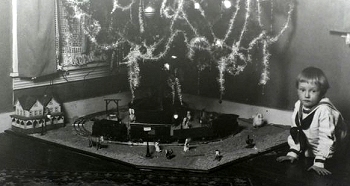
(29, 116)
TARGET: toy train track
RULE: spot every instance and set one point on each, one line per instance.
(79, 127)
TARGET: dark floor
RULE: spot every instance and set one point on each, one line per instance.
(21, 153)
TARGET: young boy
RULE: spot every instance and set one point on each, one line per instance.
(316, 123)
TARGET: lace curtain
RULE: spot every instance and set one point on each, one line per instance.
(74, 47)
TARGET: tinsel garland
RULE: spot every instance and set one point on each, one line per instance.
(171, 84)
(254, 43)
(166, 47)
(246, 19)
(259, 13)
(166, 11)
(178, 86)
(221, 79)
(198, 43)
(142, 28)
(265, 74)
(175, 85)
(285, 26)
(232, 68)
(175, 11)
(232, 20)
(134, 70)
(122, 8)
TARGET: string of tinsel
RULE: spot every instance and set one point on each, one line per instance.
(171, 84)
(244, 29)
(259, 13)
(265, 74)
(165, 11)
(123, 8)
(134, 70)
(142, 28)
(271, 15)
(197, 43)
(232, 20)
(175, 85)
(285, 26)
(184, 16)
(222, 68)
(178, 86)
(177, 13)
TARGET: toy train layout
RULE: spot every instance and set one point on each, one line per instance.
(146, 122)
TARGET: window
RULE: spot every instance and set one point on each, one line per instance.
(67, 57)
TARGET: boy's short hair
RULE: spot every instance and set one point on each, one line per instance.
(314, 75)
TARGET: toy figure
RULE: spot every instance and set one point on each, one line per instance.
(132, 117)
(169, 154)
(157, 147)
(250, 142)
(258, 120)
(96, 141)
(187, 145)
(47, 116)
(203, 117)
(186, 123)
(218, 155)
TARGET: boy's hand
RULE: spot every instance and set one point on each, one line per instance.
(320, 171)
(286, 158)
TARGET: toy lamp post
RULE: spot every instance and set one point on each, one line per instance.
(47, 115)
(147, 130)
(176, 117)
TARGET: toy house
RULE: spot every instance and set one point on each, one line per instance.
(29, 116)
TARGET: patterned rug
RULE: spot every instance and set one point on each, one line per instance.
(47, 178)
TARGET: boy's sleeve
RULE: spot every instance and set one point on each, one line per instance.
(294, 148)
(327, 138)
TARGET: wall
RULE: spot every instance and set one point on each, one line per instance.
(5, 56)
(312, 44)
(308, 42)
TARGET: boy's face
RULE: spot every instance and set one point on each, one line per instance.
(309, 94)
